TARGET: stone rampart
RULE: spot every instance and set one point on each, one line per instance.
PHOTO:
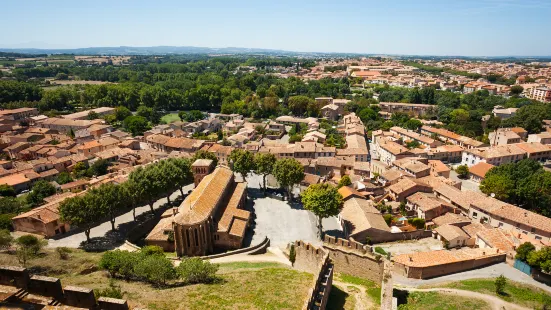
(51, 287)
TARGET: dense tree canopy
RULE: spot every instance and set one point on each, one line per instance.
(524, 183)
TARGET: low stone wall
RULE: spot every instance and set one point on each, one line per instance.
(51, 287)
(354, 258)
(316, 261)
(252, 250)
(411, 235)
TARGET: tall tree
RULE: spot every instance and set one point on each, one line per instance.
(242, 162)
(80, 211)
(288, 172)
(323, 200)
(264, 165)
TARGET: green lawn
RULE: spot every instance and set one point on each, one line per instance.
(438, 301)
(525, 295)
(170, 118)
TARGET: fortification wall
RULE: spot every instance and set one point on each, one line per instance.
(354, 258)
(51, 287)
(315, 260)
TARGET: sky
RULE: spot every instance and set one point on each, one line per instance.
(412, 27)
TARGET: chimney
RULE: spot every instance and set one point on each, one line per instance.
(410, 259)
(484, 253)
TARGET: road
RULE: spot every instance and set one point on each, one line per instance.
(102, 230)
(493, 271)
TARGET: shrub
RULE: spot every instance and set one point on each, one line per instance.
(380, 250)
(113, 291)
(500, 283)
(6, 239)
(156, 269)
(31, 242)
(63, 252)
(196, 270)
(5, 221)
(388, 219)
(149, 250)
(118, 263)
(418, 223)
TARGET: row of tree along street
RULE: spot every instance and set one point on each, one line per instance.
(145, 185)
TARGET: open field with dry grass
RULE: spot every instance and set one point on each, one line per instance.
(242, 286)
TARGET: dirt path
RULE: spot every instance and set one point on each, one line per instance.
(360, 294)
(494, 302)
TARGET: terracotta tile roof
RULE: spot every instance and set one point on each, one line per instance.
(473, 228)
(450, 232)
(450, 218)
(523, 216)
(347, 192)
(481, 169)
(496, 239)
(199, 205)
(158, 233)
(424, 201)
(232, 215)
(438, 166)
(361, 215)
(442, 257)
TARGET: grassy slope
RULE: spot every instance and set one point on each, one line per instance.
(244, 285)
(340, 299)
(515, 292)
(438, 301)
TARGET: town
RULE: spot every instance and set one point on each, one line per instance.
(182, 177)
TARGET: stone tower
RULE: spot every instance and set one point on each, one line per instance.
(201, 168)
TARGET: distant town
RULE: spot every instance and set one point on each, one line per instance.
(223, 181)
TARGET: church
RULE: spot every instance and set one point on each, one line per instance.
(211, 219)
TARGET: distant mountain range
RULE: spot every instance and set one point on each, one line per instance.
(157, 50)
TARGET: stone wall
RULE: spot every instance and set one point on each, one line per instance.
(354, 258)
(410, 235)
(51, 287)
(316, 261)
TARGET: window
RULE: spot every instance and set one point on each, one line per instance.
(475, 215)
(500, 225)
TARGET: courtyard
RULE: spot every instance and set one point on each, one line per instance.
(411, 246)
(282, 222)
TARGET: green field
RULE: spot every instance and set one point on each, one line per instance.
(525, 295)
(170, 118)
(438, 301)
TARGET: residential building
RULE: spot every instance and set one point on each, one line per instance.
(477, 173)
(495, 155)
(543, 137)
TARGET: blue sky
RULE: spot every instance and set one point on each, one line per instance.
(421, 27)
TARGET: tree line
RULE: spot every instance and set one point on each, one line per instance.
(145, 185)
